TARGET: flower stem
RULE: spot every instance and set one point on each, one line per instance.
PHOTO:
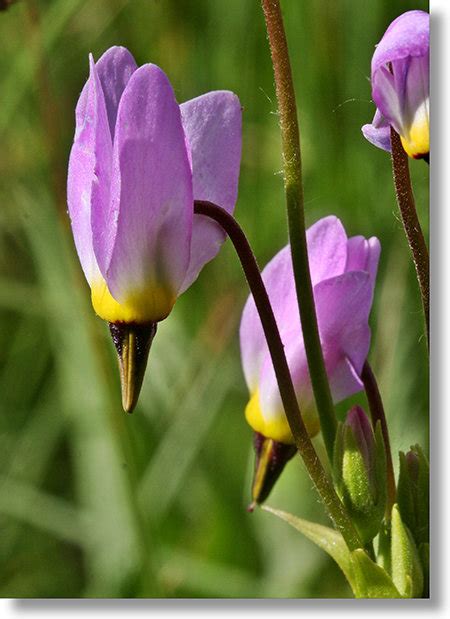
(303, 443)
(377, 414)
(292, 167)
(411, 224)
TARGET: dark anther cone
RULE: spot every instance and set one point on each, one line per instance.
(271, 458)
(132, 342)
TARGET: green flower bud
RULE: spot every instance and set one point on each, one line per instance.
(360, 472)
(414, 502)
(413, 493)
(407, 572)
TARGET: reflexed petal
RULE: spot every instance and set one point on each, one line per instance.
(212, 124)
(269, 395)
(344, 380)
(114, 68)
(343, 305)
(279, 282)
(327, 248)
(379, 132)
(272, 416)
(89, 169)
(151, 204)
(386, 94)
(407, 36)
(363, 255)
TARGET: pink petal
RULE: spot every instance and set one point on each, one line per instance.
(269, 395)
(379, 132)
(152, 203)
(114, 68)
(89, 169)
(212, 124)
(278, 279)
(363, 255)
(407, 36)
(327, 248)
(343, 305)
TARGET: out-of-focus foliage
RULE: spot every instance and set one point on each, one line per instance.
(96, 503)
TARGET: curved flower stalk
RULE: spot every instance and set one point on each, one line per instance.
(343, 272)
(400, 85)
(138, 162)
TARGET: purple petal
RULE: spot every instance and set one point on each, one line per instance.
(344, 380)
(279, 282)
(388, 91)
(400, 80)
(343, 306)
(271, 406)
(327, 248)
(269, 395)
(151, 204)
(114, 68)
(342, 302)
(212, 124)
(363, 255)
(407, 36)
(379, 132)
(89, 169)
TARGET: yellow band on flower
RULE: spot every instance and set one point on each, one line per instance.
(152, 304)
(277, 428)
(417, 142)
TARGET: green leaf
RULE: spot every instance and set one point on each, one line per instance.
(366, 578)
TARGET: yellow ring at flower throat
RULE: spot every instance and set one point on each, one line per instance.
(417, 142)
(277, 428)
(151, 304)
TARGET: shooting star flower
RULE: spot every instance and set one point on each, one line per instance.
(138, 162)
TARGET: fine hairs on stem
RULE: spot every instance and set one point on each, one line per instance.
(411, 223)
(292, 169)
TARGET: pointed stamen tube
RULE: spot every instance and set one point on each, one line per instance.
(132, 342)
(271, 458)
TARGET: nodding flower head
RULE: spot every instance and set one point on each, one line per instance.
(138, 162)
(400, 85)
(343, 272)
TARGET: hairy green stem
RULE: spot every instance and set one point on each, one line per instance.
(292, 168)
(411, 224)
(303, 443)
(377, 414)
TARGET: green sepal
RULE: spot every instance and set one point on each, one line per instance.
(361, 484)
(365, 577)
(407, 572)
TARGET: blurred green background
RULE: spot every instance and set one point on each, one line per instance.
(97, 503)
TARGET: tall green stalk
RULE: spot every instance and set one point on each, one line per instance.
(292, 168)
